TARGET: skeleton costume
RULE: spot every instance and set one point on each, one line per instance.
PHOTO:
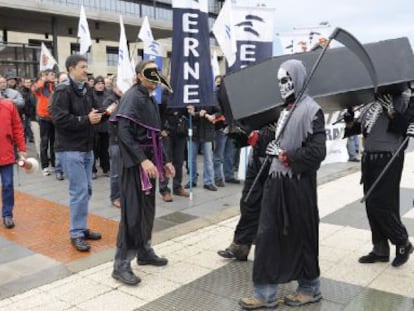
(246, 229)
(287, 238)
(382, 137)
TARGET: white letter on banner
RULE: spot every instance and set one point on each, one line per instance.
(246, 50)
(188, 93)
(190, 45)
(187, 22)
(195, 73)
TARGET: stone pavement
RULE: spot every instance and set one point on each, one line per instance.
(40, 271)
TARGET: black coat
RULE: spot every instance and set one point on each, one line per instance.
(69, 109)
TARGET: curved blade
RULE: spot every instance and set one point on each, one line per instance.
(357, 48)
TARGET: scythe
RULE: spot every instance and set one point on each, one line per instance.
(350, 42)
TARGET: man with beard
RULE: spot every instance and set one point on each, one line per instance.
(142, 161)
(287, 237)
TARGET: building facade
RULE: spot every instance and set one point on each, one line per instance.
(25, 24)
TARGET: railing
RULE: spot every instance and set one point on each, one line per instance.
(158, 10)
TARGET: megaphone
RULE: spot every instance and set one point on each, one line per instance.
(30, 165)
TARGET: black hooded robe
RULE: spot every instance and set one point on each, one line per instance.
(138, 127)
(287, 244)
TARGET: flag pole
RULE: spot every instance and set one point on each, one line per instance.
(190, 154)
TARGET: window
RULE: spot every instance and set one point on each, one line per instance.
(74, 49)
(112, 56)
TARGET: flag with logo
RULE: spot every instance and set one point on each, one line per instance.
(190, 61)
(83, 33)
(125, 71)
(145, 33)
(152, 51)
(47, 61)
(224, 31)
(254, 31)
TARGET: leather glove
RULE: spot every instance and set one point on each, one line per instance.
(272, 149)
(410, 130)
(386, 102)
(349, 115)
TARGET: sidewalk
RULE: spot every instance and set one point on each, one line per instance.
(189, 234)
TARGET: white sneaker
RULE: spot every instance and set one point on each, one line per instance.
(45, 172)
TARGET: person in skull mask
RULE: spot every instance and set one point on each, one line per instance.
(246, 229)
(287, 237)
(384, 124)
(141, 161)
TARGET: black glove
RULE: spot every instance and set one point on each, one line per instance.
(410, 130)
(349, 115)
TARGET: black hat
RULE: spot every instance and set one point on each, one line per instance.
(99, 79)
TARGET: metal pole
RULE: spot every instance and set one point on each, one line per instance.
(385, 169)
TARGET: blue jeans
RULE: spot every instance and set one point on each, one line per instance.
(114, 156)
(268, 292)
(352, 145)
(7, 189)
(208, 171)
(77, 166)
(223, 156)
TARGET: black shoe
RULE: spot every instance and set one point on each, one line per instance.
(59, 176)
(187, 186)
(94, 176)
(80, 244)
(232, 181)
(90, 235)
(8, 222)
(153, 260)
(219, 183)
(373, 258)
(402, 254)
(210, 187)
(125, 276)
(235, 251)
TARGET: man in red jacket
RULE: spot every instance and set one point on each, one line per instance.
(11, 133)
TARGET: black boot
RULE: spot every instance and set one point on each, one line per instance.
(402, 254)
(123, 273)
(147, 256)
(235, 251)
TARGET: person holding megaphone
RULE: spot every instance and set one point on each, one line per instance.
(11, 134)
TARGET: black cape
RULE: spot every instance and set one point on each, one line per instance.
(138, 127)
(287, 238)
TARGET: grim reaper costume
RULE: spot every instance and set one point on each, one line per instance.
(383, 124)
(287, 237)
(246, 228)
(138, 127)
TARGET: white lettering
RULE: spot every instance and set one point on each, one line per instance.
(187, 22)
(194, 72)
(190, 45)
(191, 90)
(247, 50)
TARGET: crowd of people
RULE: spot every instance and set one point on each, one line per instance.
(81, 119)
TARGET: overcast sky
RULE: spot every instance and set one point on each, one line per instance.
(367, 20)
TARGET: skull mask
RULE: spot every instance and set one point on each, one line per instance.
(286, 85)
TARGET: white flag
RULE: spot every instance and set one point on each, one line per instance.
(47, 61)
(83, 33)
(125, 72)
(215, 65)
(145, 33)
(224, 32)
